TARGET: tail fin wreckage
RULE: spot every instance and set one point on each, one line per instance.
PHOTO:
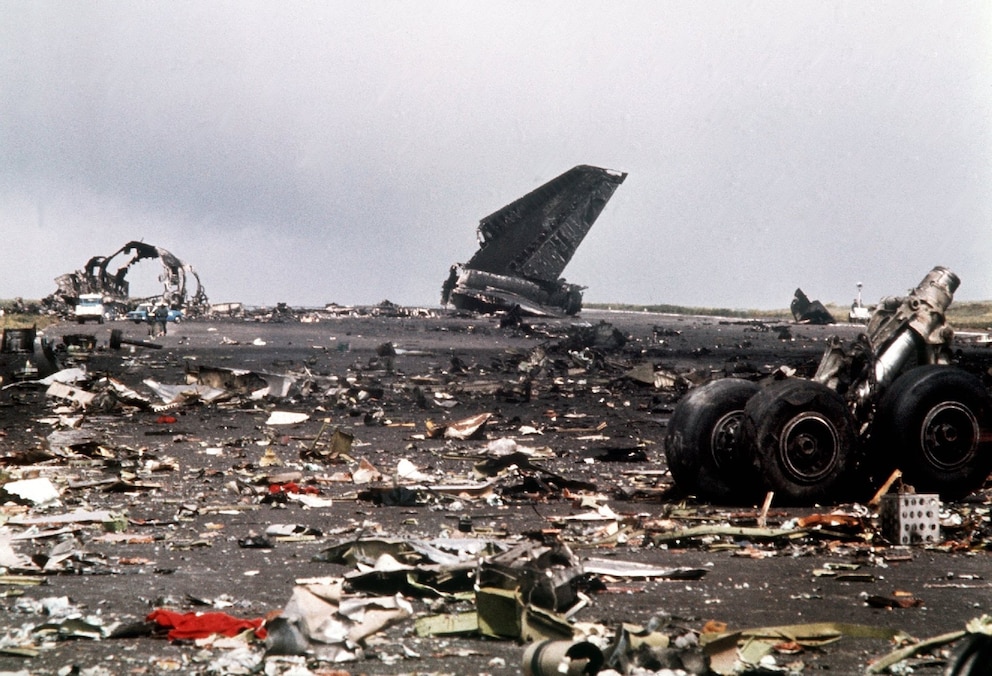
(525, 246)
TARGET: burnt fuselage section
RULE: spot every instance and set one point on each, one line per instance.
(107, 276)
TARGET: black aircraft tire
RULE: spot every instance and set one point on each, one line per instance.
(971, 657)
(805, 440)
(702, 445)
(935, 424)
(573, 303)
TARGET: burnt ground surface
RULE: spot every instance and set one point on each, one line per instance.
(195, 489)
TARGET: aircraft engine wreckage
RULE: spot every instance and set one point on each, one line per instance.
(95, 278)
(889, 400)
(525, 246)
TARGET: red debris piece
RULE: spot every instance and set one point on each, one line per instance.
(293, 487)
(189, 626)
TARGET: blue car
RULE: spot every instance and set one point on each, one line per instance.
(146, 312)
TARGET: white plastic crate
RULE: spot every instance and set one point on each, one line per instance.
(911, 518)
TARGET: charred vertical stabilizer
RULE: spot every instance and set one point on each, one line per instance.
(525, 246)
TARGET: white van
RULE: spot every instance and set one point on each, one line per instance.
(89, 307)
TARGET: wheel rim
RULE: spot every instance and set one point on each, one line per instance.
(949, 435)
(809, 447)
(726, 439)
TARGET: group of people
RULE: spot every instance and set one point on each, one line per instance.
(158, 321)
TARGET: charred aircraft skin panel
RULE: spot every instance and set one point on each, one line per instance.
(525, 246)
(806, 311)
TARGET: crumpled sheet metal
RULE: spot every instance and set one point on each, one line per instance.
(738, 652)
(242, 381)
(442, 552)
(333, 624)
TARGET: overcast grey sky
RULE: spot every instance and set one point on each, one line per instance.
(345, 151)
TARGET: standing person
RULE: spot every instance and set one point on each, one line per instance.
(161, 319)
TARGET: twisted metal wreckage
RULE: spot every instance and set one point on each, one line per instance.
(95, 278)
(525, 246)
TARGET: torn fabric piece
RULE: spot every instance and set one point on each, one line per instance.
(189, 626)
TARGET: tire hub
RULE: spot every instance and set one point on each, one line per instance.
(949, 436)
(726, 440)
(808, 448)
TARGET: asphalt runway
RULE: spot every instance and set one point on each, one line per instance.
(192, 482)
